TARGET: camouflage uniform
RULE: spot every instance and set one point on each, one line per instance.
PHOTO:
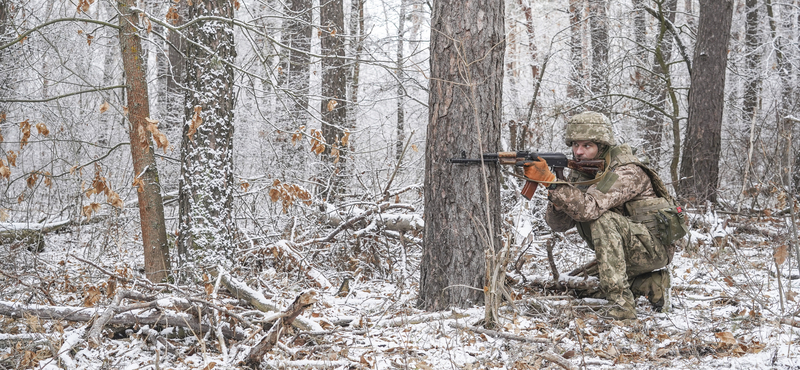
(627, 253)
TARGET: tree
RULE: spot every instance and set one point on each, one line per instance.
(298, 29)
(206, 185)
(151, 207)
(598, 28)
(334, 91)
(173, 74)
(574, 88)
(462, 203)
(700, 161)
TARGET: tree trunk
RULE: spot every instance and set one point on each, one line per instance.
(752, 52)
(151, 208)
(701, 148)
(175, 73)
(334, 92)
(657, 86)
(598, 25)
(298, 28)
(462, 203)
(206, 185)
(401, 135)
(575, 86)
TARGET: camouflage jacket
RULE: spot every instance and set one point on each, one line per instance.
(572, 204)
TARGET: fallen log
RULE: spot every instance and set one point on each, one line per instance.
(85, 314)
(498, 334)
(303, 301)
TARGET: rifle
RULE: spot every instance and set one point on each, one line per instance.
(556, 161)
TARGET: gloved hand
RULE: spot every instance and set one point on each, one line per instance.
(539, 171)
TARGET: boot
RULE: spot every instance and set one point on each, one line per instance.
(655, 286)
(617, 312)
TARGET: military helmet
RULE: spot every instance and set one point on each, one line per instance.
(589, 125)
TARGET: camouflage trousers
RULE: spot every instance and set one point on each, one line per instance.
(626, 255)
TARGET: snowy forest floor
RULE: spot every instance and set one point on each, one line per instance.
(734, 305)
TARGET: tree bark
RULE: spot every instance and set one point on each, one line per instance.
(176, 70)
(401, 135)
(598, 26)
(700, 163)
(206, 185)
(334, 93)
(462, 203)
(151, 207)
(659, 84)
(752, 52)
(575, 86)
(298, 28)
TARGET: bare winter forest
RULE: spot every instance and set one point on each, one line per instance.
(265, 183)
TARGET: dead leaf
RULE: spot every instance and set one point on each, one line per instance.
(104, 107)
(93, 295)
(195, 123)
(790, 295)
(42, 129)
(137, 182)
(780, 254)
(4, 170)
(159, 138)
(3, 215)
(332, 104)
(729, 280)
(31, 180)
(12, 158)
(25, 127)
(726, 337)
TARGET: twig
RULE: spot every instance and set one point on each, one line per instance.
(495, 333)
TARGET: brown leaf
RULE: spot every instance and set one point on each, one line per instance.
(93, 295)
(48, 179)
(3, 215)
(104, 107)
(25, 127)
(42, 129)
(89, 39)
(780, 254)
(4, 170)
(346, 138)
(332, 104)
(159, 138)
(172, 15)
(790, 295)
(195, 123)
(726, 337)
(137, 182)
(729, 280)
(31, 180)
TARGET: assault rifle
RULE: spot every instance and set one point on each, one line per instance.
(556, 161)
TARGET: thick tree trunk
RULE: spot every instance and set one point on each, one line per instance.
(206, 186)
(700, 163)
(598, 26)
(151, 208)
(462, 203)
(334, 93)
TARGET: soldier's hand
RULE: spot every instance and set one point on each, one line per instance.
(539, 171)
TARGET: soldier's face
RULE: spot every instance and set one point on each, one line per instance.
(584, 149)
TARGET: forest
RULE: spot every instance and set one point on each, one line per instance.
(267, 184)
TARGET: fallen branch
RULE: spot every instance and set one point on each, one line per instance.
(498, 334)
(242, 291)
(411, 320)
(556, 359)
(303, 301)
(85, 314)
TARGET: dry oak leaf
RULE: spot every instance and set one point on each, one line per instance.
(332, 104)
(3, 215)
(159, 138)
(31, 180)
(42, 128)
(195, 123)
(25, 127)
(104, 107)
(12, 158)
(4, 170)
(92, 296)
(726, 337)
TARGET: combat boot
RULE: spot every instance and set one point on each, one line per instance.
(617, 312)
(655, 286)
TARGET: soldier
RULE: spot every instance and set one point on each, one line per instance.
(620, 214)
